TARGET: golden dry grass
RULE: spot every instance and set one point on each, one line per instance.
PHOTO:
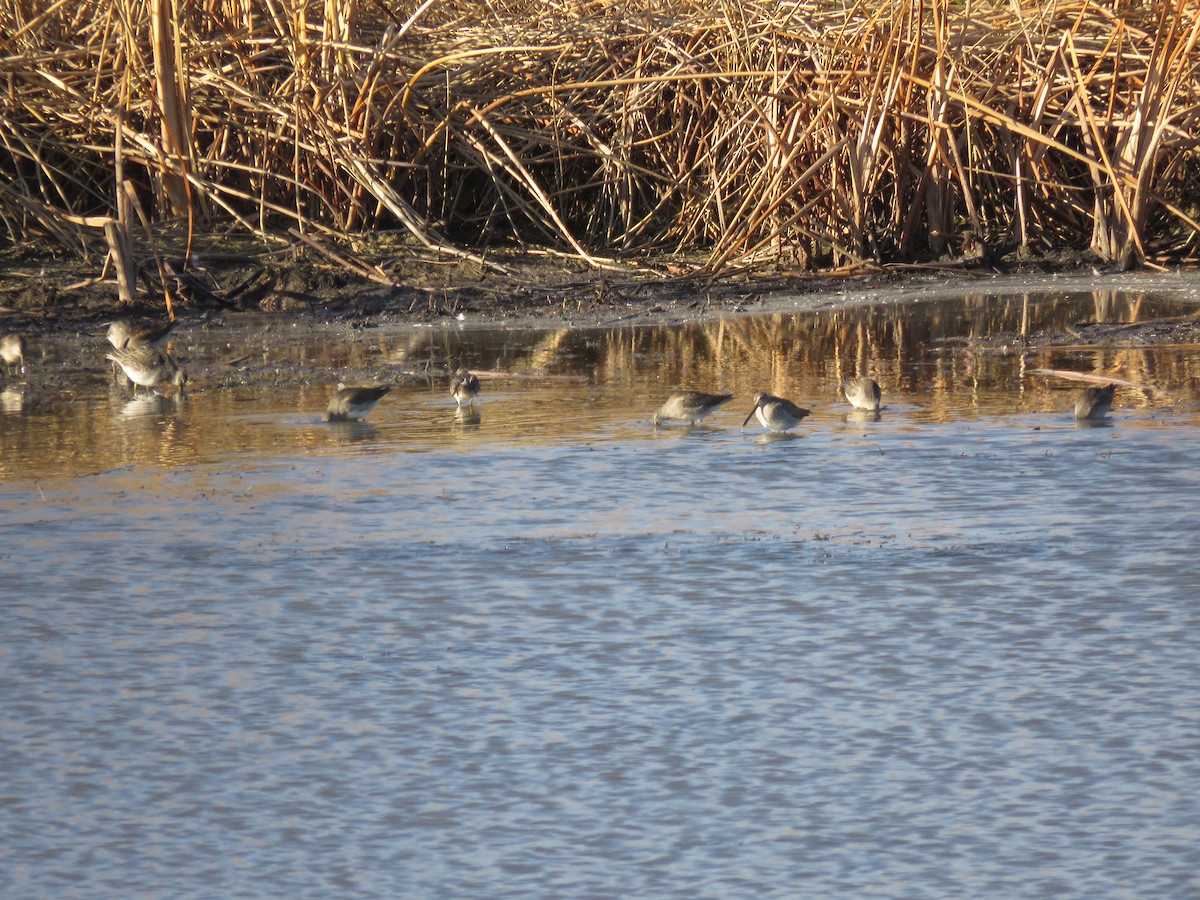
(821, 133)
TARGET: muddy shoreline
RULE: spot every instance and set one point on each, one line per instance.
(41, 293)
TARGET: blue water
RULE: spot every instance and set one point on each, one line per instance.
(953, 663)
(921, 657)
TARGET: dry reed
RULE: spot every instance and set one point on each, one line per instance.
(824, 134)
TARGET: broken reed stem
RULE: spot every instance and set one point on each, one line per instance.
(829, 136)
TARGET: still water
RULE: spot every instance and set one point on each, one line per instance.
(551, 651)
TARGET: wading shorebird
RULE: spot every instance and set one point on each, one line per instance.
(123, 334)
(351, 404)
(464, 388)
(1094, 402)
(775, 413)
(689, 406)
(12, 350)
(863, 393)
(150, 367)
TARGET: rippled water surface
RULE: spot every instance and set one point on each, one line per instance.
(552, 651)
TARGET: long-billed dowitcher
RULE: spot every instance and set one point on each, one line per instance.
(465, 387)
(775, 413)
(1094, 402)
(12, 350)
(123, 334)
(149, 367)
(689, 406)
(349, 404)
(862, 392)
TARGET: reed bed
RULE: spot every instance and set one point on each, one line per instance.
(824, 134)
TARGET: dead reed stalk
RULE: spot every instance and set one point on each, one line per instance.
(810, 132)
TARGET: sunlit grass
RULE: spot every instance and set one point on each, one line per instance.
(823, 135)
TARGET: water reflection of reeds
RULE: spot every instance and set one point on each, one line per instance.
(943, 350)
(975, 355)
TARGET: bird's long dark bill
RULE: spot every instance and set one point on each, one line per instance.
(749, 417)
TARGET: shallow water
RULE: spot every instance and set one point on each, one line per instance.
(557, 652)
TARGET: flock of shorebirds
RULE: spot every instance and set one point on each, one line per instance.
(776, 414)
(351, 404)
(773, 413)
(137, 350)
(779, 414)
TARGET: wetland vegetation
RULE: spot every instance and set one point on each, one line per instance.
(394, 146)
